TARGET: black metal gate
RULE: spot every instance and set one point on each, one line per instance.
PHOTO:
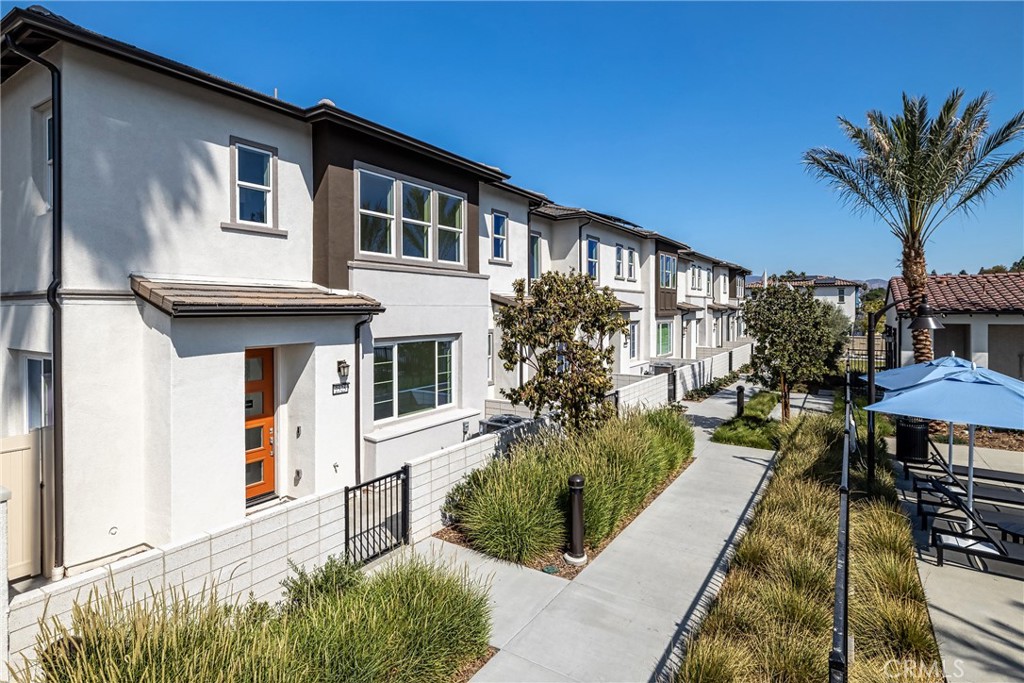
(377, 516)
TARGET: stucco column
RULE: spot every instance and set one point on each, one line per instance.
(5, 634)
(979, 342)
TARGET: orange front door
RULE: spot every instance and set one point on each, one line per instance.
(259, 423)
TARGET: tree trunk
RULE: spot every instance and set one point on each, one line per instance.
(784, 396)
(916, 276)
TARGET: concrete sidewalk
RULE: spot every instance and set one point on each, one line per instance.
(625, 614)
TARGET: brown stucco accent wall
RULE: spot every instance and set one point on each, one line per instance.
(336, 149)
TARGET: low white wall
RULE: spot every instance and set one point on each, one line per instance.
(251, 556)
(434, 475)
(624, 380)
(499, 406)
(741, 355)
(647, 393)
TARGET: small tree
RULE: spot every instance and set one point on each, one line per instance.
(562, 330)
(795, 337)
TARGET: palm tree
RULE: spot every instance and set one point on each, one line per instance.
(915, 172)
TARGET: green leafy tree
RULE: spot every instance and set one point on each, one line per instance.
(914, 172)
(796, 339)
(870, 306)
(562, 330)
(1018, 266)
(991, 270)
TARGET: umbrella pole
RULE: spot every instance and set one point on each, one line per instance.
(950, 446)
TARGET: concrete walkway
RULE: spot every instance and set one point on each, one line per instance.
(625, 614)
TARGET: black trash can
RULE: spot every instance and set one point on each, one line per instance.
(911, 439)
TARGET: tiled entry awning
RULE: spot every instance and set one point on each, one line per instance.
(184, 299)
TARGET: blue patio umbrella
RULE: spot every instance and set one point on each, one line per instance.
(911, 375)
(975, 396)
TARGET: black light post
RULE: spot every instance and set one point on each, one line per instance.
(576, 555)
(739, 400)
(924, 320)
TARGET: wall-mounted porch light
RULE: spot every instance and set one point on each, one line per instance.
(342, 387)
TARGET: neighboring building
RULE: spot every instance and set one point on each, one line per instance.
(836, 291)
(982, 318)
(259, 301)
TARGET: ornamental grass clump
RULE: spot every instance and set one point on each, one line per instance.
(515, 509)
(772, 618)
(410, 621)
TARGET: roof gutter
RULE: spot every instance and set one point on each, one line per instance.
(52, 298)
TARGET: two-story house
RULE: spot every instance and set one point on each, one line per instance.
(169, 327)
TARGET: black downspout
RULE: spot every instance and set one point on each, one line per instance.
(579, 243)
(52, 292)
(359, 397)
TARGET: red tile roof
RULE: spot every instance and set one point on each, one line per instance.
(820, 281)
(991, 293)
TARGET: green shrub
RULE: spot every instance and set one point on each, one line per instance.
(410, 621)
(775, 604)
(753, 429)
(516, 508)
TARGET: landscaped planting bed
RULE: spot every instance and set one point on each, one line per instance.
(754, 428)
(516, 508)
(772, 619)
(409, 621)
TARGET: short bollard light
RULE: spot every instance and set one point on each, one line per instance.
(739, 400)
(576, 555)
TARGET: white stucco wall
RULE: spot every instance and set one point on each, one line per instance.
(424, 305)
(503, 273)
(1005, 345)
(148, 183)
(831, 295)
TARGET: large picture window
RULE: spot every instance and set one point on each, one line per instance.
(410, 377)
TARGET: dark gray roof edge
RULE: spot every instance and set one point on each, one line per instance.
(610, 221)
(521, 191)
(56, 27)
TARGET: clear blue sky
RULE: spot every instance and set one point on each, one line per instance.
(687, 118)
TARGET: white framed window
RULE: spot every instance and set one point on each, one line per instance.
(694, 278)
(490, 356)
(561, 362)
(619, 271)
(633, 340)
(665, 338)
(411, 377)
(449, 227)
(254, 182)
(432, 221)
(499, 236)
(667, 271)
(707, 276)
(416, 226)
(376, 212)
(534, 264)
(842, 295)
(631, 264)
(593, 245)
(38, 394)
(725, 286)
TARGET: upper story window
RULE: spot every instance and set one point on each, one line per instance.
(254, 184)
(432, 221)
(534, 265)
(842, 295)
(725, 286)
(592, 257)
(410, 377)
(694, 278)
(708, 276)
(631, 264)
(618, 261)
(667, 271)
(499, 236)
